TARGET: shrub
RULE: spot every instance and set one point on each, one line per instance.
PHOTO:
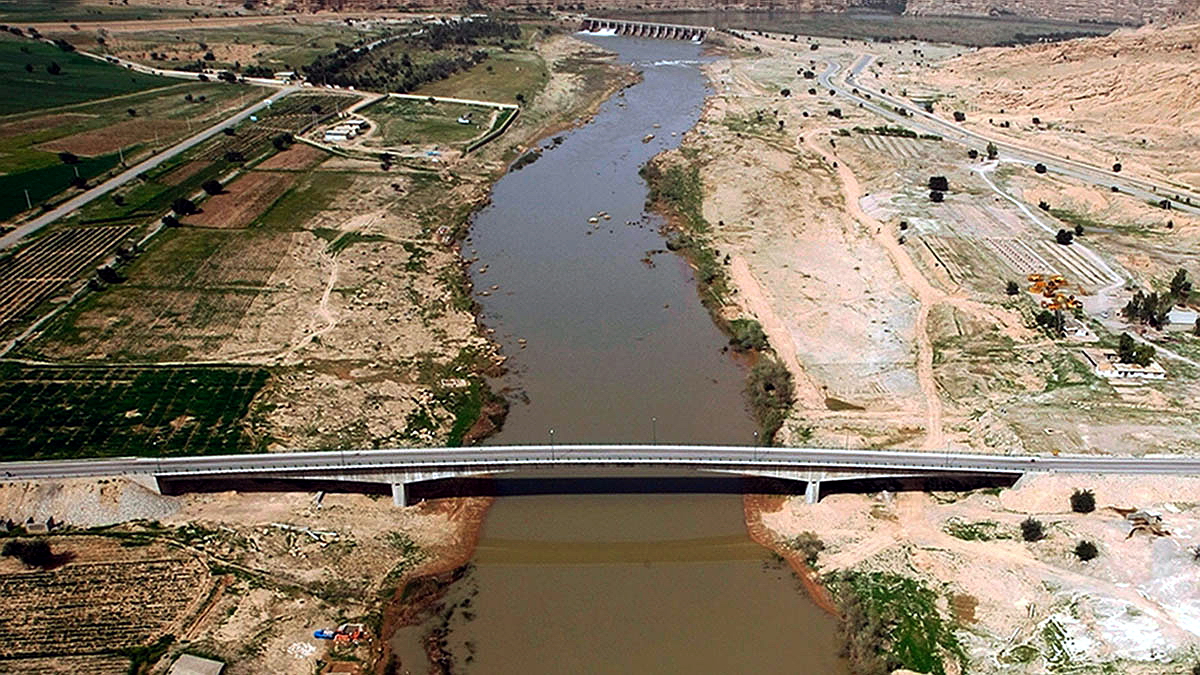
(936, 196)
(1012, 288)
(1032, 529)
(973, 154)
(992, 152)
(769, 387)
(785, 92)
(234, 156)
(212, 186)
(1064, 237)
(960, 116)
(939, 183)
(808, 544)
(1086, 550)
(34, 553)
(747, 334)
(1083, 501)
(170, 220)
(1039, 167)
(1117, 167)
(184, 206)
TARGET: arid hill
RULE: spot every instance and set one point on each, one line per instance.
(1131, 97)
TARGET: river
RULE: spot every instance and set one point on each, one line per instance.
(616, 350)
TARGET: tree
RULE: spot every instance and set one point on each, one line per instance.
(132, 112)
(960, 116)
(1051, 322)
(1012, 288)
(283, 141)
(785, 92)
(184, 206)
(68, 158)
(54, 68)
(836, 112)
(1036, 121)
(1039, 167)
(1078, 230)
(809, 544)
(1083, 501)
(1117, 167)
(1196, 328)
(1044, 205)
(170, 220)
(939, 183)
(1132, 351)
(1032, 529)
(29, 67)
(1064, 237)
(1086, 550)
(936, 196)
(520, 98)
(209, 56)
(234, 156)
(973, 153)
(212, 186)
(992, 152)
(1181, 288)
(32, 552)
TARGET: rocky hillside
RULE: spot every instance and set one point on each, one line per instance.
(1133, 12)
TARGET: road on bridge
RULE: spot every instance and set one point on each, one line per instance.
(510, 457)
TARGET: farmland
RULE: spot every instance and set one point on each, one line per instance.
(501, 78)
(97, 133)
(37, 271)
(60, 412)
(80, 79)
(105, 600)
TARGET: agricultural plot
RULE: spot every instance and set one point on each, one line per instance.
(53, 412)
(78, 78)
(293, 114)
(108, 599)
(242, 200)
(500, 78)
(899, 147)
(408, 122)
(38, 270)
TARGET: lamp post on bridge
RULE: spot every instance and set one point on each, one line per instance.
(551, 445)
(654, 430)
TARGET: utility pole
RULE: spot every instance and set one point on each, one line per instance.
(121, 154)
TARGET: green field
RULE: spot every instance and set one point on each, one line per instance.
(499, 79)
(42, 184)
(52, 412)
(81, 79)
(71, 10)
(403, 122)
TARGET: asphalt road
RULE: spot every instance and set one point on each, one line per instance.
(923, 122)
(501, 457)
(117, 181)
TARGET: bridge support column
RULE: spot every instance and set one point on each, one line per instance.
(812, 492)
(399, 494)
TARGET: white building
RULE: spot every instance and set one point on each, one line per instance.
(1108, 365)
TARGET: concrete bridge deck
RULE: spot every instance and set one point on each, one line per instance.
(403, 467)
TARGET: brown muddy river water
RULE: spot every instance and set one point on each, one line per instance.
(631, 583)
(627, 584)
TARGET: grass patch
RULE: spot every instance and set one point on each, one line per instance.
(984, 530)
(500, 78)
(891, 622)
(80, 79)
(348, 239)
(404, 121)
(65, 412)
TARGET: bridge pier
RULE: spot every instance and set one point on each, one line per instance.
(812, 492)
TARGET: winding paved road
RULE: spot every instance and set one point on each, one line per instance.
(924, 122)
(509, 457)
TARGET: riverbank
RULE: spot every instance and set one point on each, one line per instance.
(1039, 606)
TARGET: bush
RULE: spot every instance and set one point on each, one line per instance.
(1086, 550)
(212, 186)
(170, 220)
(746, 335)
(769, 387)
(1064, 237)
(1032, 529)
(234, 156)
(34, 553)
(1117, 167)
(960, 116)
(808, 544)
(184, 206)
(935, 196)
(939, 183)
(1083, 501)
(283, 141)
(1039, 167)
(785, 92)
(1012, 288)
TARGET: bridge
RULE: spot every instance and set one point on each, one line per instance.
(647, 29)
(402, 469)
